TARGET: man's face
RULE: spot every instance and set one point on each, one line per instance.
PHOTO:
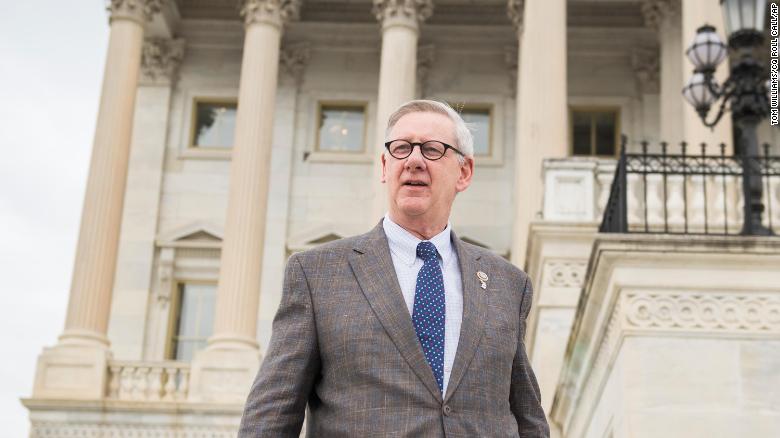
(419, 188)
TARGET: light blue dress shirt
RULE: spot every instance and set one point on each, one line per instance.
(403, 250)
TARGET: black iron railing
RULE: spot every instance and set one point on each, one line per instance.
(698, 193)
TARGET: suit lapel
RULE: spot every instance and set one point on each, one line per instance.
(373, 267)
(474, 314)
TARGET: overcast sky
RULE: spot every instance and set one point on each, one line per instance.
(51, 65)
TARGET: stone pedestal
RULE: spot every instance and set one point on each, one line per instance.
(223, 375)
(77, 372)
(675, 336)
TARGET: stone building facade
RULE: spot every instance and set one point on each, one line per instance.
(234, 133)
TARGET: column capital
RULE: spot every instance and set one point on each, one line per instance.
(647, 68)
(402, 12)
(293, 59)
(274, 12)
(657, 12)
(160, 60)
(514, 10)
(141, 11)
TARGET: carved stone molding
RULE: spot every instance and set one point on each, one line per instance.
(274, 12)
(652, 312)
(138, 10)
(412, 12)
(293, 59)
(136, 429)
(656, 12)
(511, 61)
(426, 56)
(711, 312)
(160, 60)
(514, 10)
(647, 68)
(564, 273)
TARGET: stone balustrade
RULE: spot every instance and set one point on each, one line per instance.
(577, 190)
(148, 381)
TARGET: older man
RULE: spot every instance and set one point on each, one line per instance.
(405, 331)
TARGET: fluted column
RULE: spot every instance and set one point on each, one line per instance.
(542, 112)
(663, 16)
(223, 372)
(160, 59)
(96, 253)
(676, 22)
(77, 366)
(696, 13)
(235, 323)
(400, 20)
(646, 65)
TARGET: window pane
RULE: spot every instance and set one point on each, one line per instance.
(187, 313)
(605, 133)
(341, 128)
(208, 303)
(581, 133)
(215, 124)
(479, 122)
(196, 319)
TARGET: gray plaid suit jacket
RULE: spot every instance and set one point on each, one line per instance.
(343, 343)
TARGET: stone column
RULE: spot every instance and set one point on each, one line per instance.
(663, 16)
(646, 65)
(160, 59)
(676, 23)
(293, 59)
(76, 367)
(696, 13)
(223, 372)
(400, 20)
(541, 129)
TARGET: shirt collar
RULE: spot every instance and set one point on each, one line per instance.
(404, 244)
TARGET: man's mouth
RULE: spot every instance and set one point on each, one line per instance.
(415, 184)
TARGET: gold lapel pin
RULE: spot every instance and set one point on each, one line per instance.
(483, 278)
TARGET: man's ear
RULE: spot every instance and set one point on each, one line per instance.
(466, 173)
(384, 168)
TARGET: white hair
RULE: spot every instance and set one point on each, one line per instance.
(462, 133)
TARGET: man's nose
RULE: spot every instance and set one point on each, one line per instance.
(415, 160)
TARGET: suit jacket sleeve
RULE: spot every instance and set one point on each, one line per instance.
(277, 400)
(524, 397)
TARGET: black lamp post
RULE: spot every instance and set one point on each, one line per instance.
(744, 90)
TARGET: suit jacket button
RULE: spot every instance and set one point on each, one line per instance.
(447, 409)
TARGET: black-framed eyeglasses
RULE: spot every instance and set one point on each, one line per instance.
(431, 149)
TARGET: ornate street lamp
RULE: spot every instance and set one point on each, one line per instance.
(744, 91)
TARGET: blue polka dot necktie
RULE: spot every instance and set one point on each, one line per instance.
(428, 313)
